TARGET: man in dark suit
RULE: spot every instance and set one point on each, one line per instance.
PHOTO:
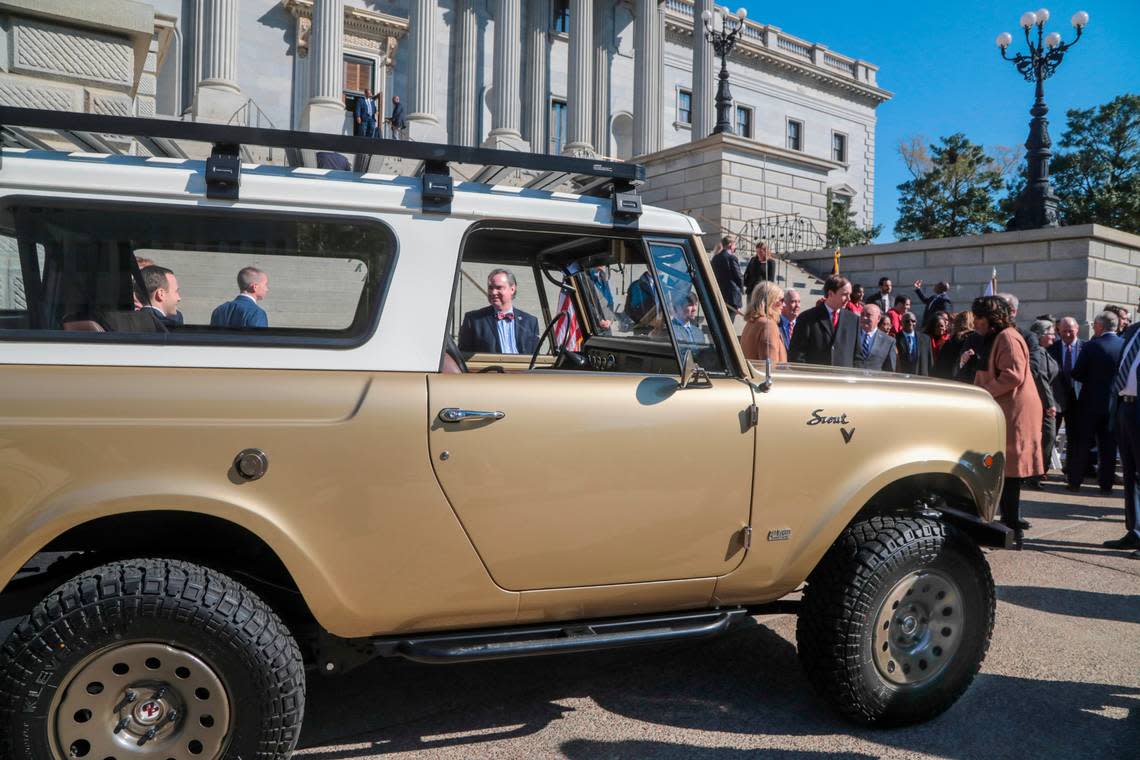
(499, 328)
(364, 115)
(1095, 370)
(162, 295)
(874, 349)
(883, 298)
(1066, 351)
(726, 269)
(398, 120)
(244, 311)
(940, 301)
(1123, 406)
(915, 352)
(825, 334)
(789, 313)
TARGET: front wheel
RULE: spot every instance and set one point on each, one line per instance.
(150, 658)
(896, 620)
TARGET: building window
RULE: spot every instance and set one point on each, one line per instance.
(684, 106)
(560, 14)
(359, 73)
(839, 147)
(557, 125)
(795, 135)
(744, 121)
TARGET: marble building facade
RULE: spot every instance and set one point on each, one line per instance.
(587, 77)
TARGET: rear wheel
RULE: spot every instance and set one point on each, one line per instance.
(896, 620)
(150, 658)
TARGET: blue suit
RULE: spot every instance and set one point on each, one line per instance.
(479, 332)
(365, 110)
(1095, 369)
(1127, 430)
(240, 312)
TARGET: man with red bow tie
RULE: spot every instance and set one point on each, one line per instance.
(499, 328)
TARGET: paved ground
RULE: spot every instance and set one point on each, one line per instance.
(1062, 680)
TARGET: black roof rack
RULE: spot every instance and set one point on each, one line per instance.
(88, 133)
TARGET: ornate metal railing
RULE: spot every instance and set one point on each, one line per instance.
(782, 234)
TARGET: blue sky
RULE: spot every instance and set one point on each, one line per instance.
(941, 63)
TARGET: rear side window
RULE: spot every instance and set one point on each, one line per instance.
(189, 277)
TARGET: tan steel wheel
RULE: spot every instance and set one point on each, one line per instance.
(919, 628)
(141, 700)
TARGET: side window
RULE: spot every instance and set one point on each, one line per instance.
(201, 276)
(612, 303)
(13, 298)
(685, 305)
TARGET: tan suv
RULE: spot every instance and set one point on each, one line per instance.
(262, 420)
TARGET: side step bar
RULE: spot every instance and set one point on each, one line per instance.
(556, 639)
(337, 655)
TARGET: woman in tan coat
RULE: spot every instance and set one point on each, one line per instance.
(1004, 372)
(761, 337)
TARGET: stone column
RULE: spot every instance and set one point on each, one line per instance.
(218, 96)
(602, 35)
(646, 79)
(704, 70)
(324, 111)
(581, 79)
(466, 70)
(537, 88)
(423, 124)
(659, 74)
(506, 108)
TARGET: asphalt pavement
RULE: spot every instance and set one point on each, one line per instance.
(1061, 680)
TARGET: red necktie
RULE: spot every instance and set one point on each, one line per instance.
(835, 320)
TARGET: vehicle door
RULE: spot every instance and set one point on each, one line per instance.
(613, 472)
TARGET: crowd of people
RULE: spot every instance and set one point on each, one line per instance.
(1042, 377)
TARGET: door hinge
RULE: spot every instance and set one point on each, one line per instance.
(753, 416)
(746, 536)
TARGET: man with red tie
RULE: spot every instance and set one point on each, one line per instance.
(826, 334)
(499, 328)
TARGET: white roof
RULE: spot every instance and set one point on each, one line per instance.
(138, 178)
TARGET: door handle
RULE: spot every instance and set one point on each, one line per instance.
(451, 414)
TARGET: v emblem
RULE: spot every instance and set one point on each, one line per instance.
(847, 436)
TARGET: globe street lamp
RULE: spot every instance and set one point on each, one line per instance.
(1036, 206)
(723, 29)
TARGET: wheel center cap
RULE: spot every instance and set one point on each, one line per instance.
(150, 712)
(909, 625)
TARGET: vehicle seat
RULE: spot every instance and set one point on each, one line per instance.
(82, 325)
(453, 361)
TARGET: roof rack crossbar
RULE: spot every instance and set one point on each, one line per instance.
(65, 121)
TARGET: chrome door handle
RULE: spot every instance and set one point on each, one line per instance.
(451, 414)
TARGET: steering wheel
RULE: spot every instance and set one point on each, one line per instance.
(542, 338)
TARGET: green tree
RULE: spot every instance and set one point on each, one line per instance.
(842, 229)
(952, 190)
(1096, 173)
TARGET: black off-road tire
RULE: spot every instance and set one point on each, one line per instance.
(845, 594)
(143, 602)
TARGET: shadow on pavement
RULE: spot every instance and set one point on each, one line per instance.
(584, 749)
(1089, 605)
(1068, 510)
(1075, 547)
(747, 682)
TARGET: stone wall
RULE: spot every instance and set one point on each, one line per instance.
(1065, 271)
(725, 181)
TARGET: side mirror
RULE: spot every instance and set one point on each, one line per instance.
(692, 376)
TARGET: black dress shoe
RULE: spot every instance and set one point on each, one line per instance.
(1023, 524)
(1073, 488)
(1034, 485)
(1127, 542)
(1106, 491)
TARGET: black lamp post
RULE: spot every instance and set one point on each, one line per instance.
(723, 40)
(1036, 206)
